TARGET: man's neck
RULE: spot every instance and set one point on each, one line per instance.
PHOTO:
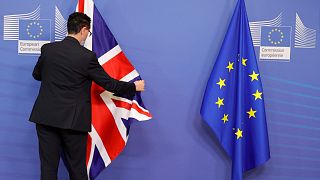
(76, 36)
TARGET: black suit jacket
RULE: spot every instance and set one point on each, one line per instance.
(66, 70)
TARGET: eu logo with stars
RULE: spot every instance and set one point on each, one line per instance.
(32, 35)
(34, 30)
(275, 36)
(275, 43)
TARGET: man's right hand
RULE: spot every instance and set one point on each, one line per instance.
(139, 85)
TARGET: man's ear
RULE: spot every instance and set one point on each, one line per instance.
(82, 30)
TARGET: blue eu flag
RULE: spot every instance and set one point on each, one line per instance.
(276, 36)
(233, 104)
(38, 30)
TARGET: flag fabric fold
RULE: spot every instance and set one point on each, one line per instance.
(112, 115)
(233, 103)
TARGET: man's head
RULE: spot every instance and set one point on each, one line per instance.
(79, 26)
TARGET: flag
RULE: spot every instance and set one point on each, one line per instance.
(111, 115)
(34, 29)
(233, 105)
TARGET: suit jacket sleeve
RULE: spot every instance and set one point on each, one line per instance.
(99, 76)
(37, 69)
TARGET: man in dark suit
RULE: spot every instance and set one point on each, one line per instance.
(62, 111)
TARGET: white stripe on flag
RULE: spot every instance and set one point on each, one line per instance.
(96, 140)
(133, 112)
(109, 55)
(138, 116)
(88, 10)
(133, 74)
(117, 114)
(121, 99)
(135, 102)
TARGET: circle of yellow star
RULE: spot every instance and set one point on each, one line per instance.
(257, 95)
(251, 113)
(230, 66)
(254, 76)
(220, 102)
(221, 82)
(238, 133)
(36, 26)
(271, 40)
(244, 61)
(225, 118)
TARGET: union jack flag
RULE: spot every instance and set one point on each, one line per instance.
(111, 114)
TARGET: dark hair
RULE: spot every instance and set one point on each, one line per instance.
(77, 21)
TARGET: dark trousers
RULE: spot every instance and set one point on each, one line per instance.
(73, 144)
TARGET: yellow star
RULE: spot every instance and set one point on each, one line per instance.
(221, 82)
(244, 61)
(225, 118)
(252, 113)
(230, 66)
(257, 95)
(220, 102)
(254, 76)
(238, 133)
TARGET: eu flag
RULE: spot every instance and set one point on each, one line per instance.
(38, 30)
(233, 104)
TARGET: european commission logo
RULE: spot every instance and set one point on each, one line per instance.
(274, 39)
(275, 43)
(31, 32)
(32, 35)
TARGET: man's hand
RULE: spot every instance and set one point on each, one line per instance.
(139, 85)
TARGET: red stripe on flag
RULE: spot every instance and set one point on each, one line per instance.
(136, 107)
(122, 104)
(81, 6)
(89, 143)
(128, 106)
(118, 67)
(105, 125)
